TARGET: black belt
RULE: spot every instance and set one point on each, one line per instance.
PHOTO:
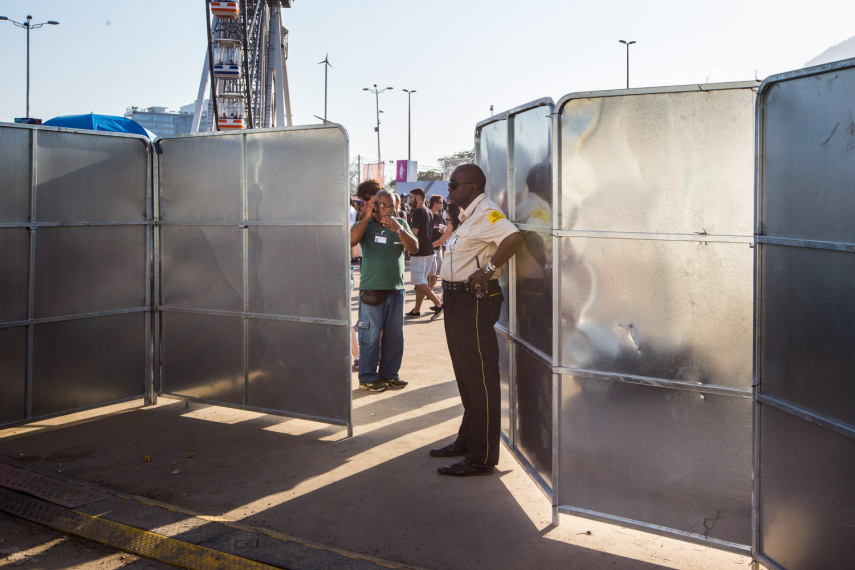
(463, 286)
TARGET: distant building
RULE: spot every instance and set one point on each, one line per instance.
(203, 120)
(160, 121)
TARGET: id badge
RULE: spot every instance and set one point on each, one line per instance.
(379, 238)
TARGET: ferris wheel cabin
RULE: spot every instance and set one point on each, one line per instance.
(227, 58)
(225, 10)
(231, 109)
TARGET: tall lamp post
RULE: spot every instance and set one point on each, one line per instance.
(28, 25)
(409, 124)
(377, 93)
(627, 59)
(327, 66)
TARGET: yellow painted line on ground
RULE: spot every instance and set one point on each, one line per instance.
(147, 544)
(155, 546)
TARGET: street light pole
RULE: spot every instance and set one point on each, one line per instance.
(327, 65)
(377, 93)
(627, 59)
(28, 25)
(409, 125)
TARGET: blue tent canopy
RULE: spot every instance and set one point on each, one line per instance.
(95, 122)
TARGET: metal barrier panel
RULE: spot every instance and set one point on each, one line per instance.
(253, 260)
(13, 370)
(805, 426)
(15, 199)
(491, 154)
(505, 379)
(533, 430)
(530, 192)
(531, 148)
(654, 326)
(14, 273)
(16, 165)
(75, 219)
(514, 150)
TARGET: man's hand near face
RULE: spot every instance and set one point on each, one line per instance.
(367, 209)
(391, 223)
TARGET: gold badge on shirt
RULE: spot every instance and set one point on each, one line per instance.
(495, 216)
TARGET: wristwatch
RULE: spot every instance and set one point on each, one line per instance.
(489, 267)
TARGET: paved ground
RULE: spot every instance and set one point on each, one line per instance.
(376, 495)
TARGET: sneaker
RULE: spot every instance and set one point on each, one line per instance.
(395, 383)
(437, 313)
(412, 315)
(376, 386)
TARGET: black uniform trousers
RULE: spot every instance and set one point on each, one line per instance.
(474, 351)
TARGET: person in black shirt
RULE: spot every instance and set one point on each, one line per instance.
(422, 262)
(438, 228)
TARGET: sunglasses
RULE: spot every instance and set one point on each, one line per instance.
(454, 184)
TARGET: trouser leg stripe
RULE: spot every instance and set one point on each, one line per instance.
(483, 377)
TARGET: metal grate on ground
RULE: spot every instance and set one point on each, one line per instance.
(161, 532)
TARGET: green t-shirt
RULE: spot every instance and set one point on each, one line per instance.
(382, 257)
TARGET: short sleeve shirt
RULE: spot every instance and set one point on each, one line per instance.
(421, 222)
(482, 228)
(382, 257)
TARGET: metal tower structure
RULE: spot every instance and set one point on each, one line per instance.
(245, 66)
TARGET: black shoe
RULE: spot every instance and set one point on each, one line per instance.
(395, 383)
(466, 468)
(437, 313)
(450, 450)
(376, 386)
(412, 315)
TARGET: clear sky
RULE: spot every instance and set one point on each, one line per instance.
(461, 56)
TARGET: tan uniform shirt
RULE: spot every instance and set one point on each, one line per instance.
(482, 228)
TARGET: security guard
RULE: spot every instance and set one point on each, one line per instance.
(475, 254)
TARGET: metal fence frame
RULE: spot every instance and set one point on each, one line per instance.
(510, 339)
(633, 379)
(19, 366)
(88, 214)
(513, 343)
(804, 433)
(245, 222)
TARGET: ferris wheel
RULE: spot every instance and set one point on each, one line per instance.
(245, 66)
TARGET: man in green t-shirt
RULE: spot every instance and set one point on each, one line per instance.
(383, 238)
